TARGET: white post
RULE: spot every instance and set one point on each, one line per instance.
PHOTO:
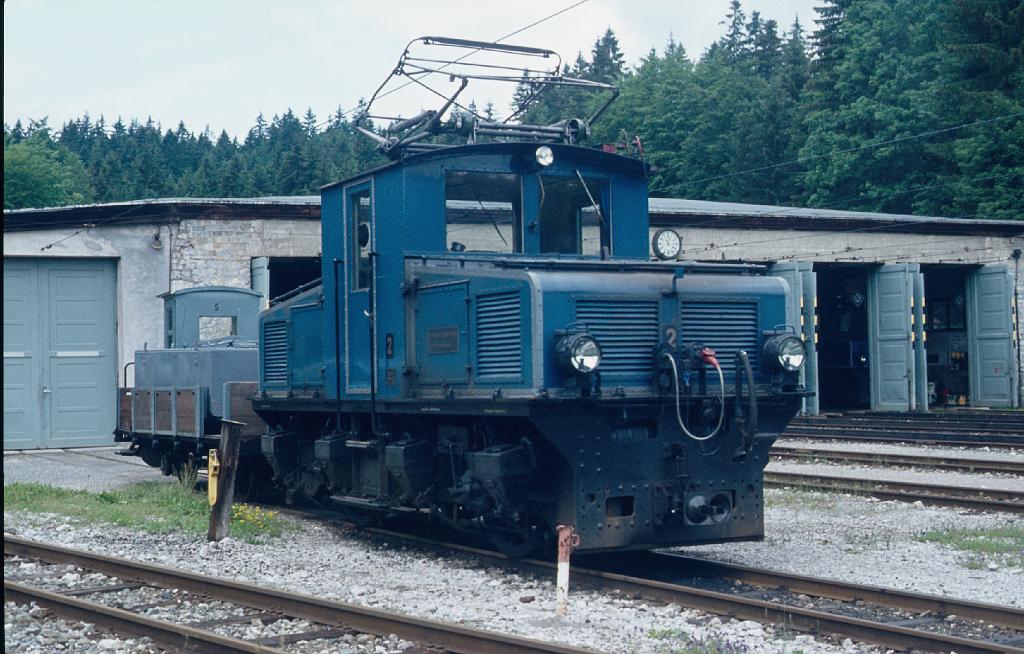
(568, 539)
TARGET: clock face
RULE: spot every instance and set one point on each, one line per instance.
(666, 244)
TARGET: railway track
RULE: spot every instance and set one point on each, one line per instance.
(870, 614)
(985, 429)
(881, 616)
(938, 462)
(325, 619)
(1011, 501)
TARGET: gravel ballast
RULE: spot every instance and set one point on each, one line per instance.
(29, 629)
(326, 561)
(861, 539)
(843, 537)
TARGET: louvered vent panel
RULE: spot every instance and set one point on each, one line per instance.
(499, 342)
(725, 327)
(275, 353)
(626, 330)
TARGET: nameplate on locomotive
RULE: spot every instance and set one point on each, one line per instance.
(443, 340)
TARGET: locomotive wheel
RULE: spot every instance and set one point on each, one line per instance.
(150, 456)
(166, 465)
(513, 540)
(251, 482)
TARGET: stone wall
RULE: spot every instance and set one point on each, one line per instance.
(220, 252)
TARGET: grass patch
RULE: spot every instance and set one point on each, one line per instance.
(152, 507)
(1005, 544)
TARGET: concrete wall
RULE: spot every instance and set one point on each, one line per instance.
(142, 273)
(192, 253)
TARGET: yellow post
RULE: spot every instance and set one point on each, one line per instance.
(213, 466)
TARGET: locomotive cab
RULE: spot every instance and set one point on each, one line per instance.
(493, 347)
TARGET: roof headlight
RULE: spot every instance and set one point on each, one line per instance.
(786, 352)
(579, 353)
(545, 157)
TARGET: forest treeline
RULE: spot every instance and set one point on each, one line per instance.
(903, 106)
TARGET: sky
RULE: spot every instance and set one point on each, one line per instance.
(218, 64)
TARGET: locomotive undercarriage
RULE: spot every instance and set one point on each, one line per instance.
(515, 476)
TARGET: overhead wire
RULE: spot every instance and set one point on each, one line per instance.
(868, 146)
(844, 252)
(780, 211)
(468, 54)
(716, 246)
(87, 226)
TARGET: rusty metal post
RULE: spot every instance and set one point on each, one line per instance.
(568, 540)
(220, 514)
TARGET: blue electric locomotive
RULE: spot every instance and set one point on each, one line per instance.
(492, 345)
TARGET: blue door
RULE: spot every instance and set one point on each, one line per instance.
(22, 356)
(60, 360)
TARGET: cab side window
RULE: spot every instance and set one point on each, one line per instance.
(573, 215)
(360, 212)
(483, 212)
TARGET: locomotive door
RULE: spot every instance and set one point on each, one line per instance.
(359, 243)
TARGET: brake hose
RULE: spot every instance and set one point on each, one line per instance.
(721, 411)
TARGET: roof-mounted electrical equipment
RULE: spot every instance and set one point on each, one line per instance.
(536, 70)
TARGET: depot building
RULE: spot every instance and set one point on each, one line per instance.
(900, 313)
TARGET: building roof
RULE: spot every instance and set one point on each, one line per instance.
(162, 210)
(670, 212)
(664, 212)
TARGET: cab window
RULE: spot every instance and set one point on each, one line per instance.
(360, 212)
(573, 216)
(483, 212)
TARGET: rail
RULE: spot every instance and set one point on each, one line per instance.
(939, 462)
(593, 572)
(447, 637)
(983, 499)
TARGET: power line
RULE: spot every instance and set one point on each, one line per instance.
(867, 248)
(87, 226)
(715, 246)
(470, 53)
(783, 211)
(898, 139)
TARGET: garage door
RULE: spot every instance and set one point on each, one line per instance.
(890, 336)
(991, 325)
(59, 353)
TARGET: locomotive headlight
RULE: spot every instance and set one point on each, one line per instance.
(786, 352)
(579, 353)
(544, 155)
